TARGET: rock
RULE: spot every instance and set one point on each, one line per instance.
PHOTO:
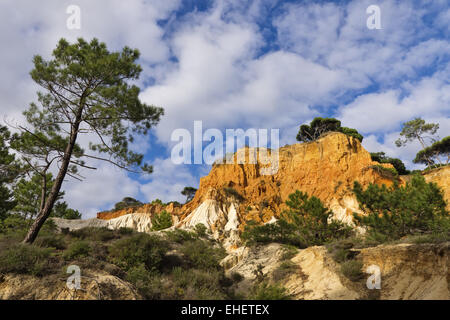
(408, 272)
(325, 168)
(411, 271)
(232, 194)
(140, 222)
(95, 285)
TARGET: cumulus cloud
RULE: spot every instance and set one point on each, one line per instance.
(101, 189)
(260, 64)
(167, 181)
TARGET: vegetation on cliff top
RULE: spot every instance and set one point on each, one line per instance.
(319, 126)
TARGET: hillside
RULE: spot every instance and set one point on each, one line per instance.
(215, 263)
(232, 194)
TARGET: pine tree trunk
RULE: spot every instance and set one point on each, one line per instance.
(53, 196)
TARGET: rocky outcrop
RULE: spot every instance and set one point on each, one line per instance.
(407, 271)
(140, 222)
(233, 194)
(148, 208)
(325, 168)
(97, 285)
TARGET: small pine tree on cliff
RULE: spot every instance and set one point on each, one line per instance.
(319, 126)
(306, 223)
(161, 221)
(397, 211)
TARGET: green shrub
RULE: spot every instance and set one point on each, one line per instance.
(14, 224)
(147, 283)
(102, 234)
(285, 269)
(289, 251)
(306, 223)
(265, 291)
(236, 277)
(138, 249)
(25, 259)
(200, 230)
(125, 231)
(161, 221)
(77, 249)
(389, 173)
(397, 211)
(318, 126)
(340, 250)
(202, 255)
(180, 235)
(50, 241)
(397, 163)
(127, 202)
(352, 269)
(157, 201)
(198, 284)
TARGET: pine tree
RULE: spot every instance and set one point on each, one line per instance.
(161, 221)
(397, 211)
(8, 173)
(85, 92)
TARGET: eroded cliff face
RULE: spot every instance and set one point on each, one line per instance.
(148, 208)
(96, 284)
(406, 271)
(232, 194)
(325, 168)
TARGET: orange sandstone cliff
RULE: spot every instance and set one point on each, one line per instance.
(233, 194)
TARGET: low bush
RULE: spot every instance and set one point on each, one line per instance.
(202, 255)
(180, 235)
(77, 249)
(161, 221)
(138, 249)
(352, 269)
(102, 234)
(389, 173)
(198, 284)
(265, 291)
(236, 277)
(397, 163)
(50, 241)
(147, 283)
(25, 259)
(200, 230)
(285, 269)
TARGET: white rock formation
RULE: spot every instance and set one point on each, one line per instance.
(140, 222)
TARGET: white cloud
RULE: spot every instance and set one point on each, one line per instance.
(167, 181)
(385, 111)
(102, 188)
(211, 66)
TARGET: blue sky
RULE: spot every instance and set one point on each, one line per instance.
(244, 64)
